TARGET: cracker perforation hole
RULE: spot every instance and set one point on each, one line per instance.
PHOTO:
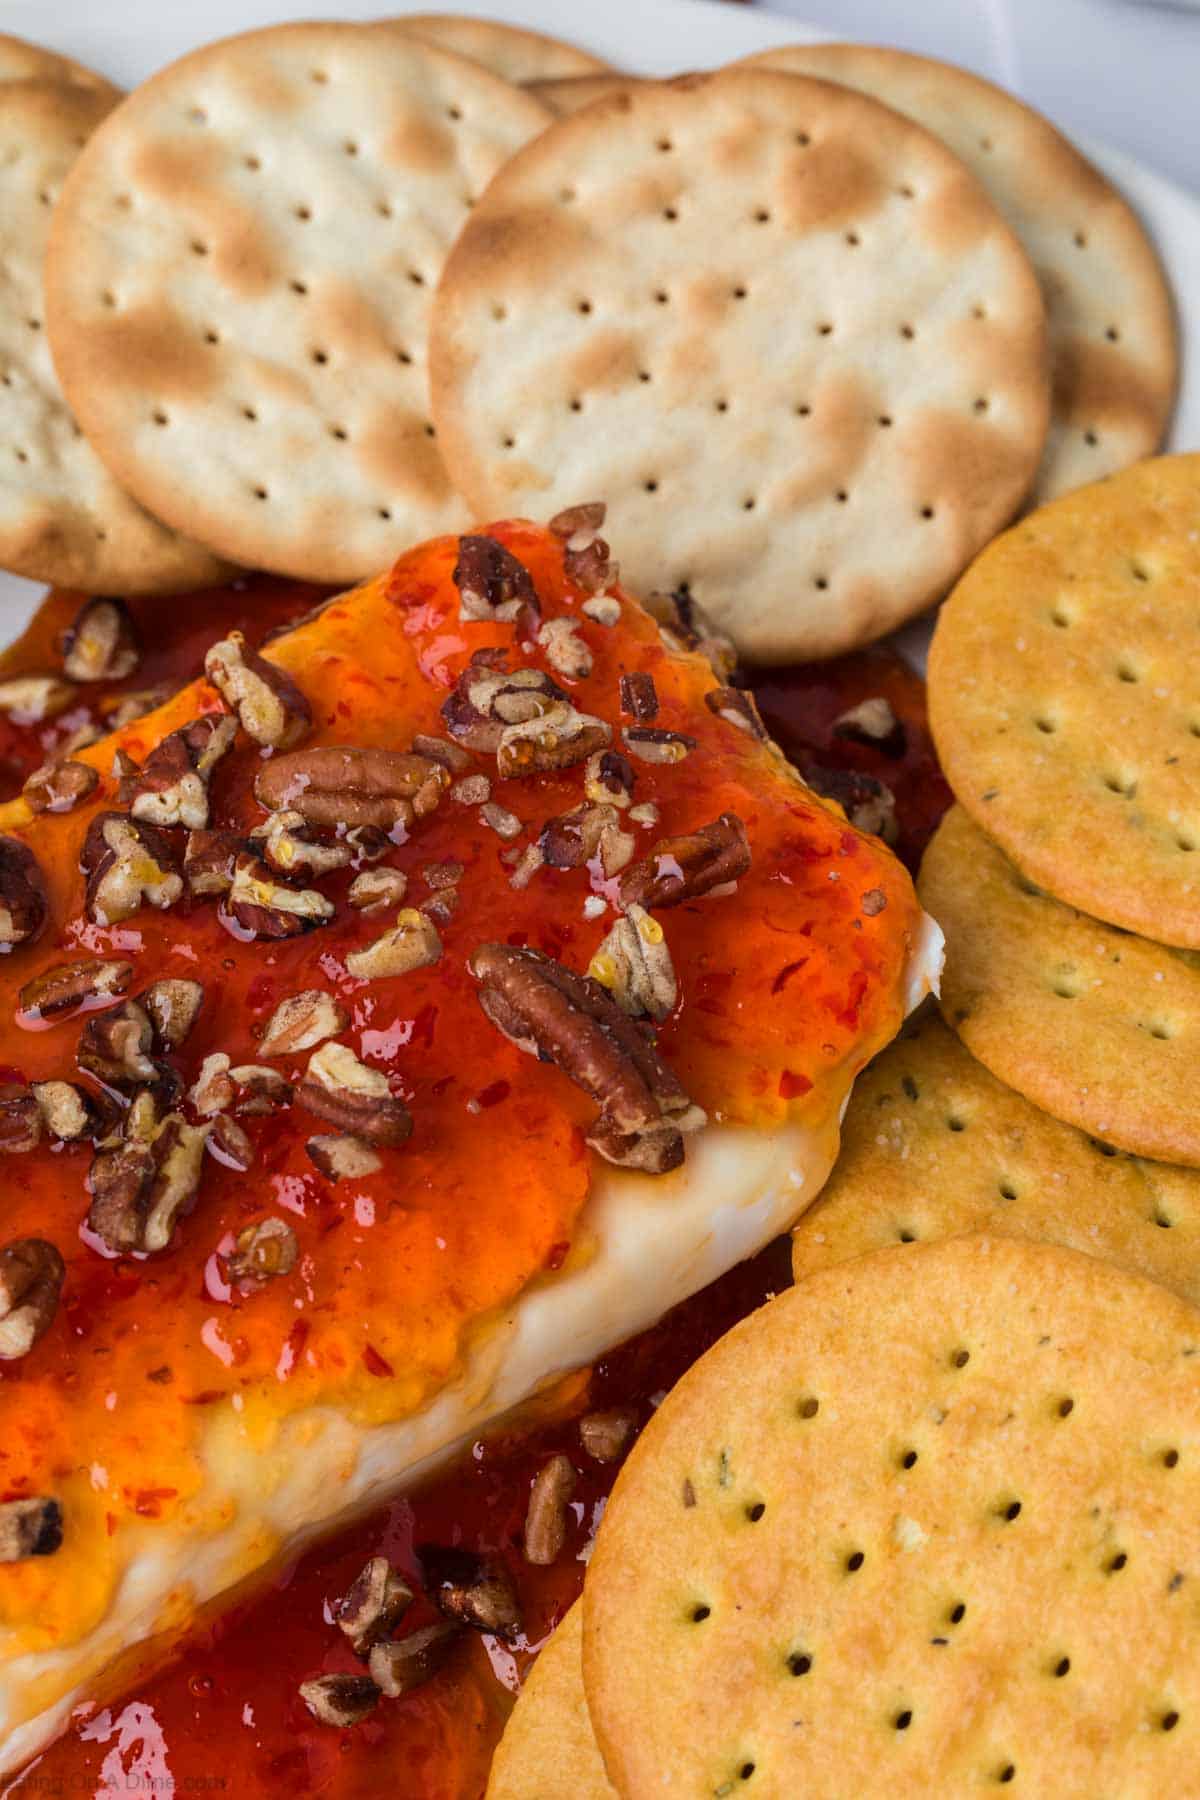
(249, 413)
(1006, 1772)
(1091, 438)
(416, 277)
(804, 139)
(804, 411)
(699, 1613)
(853, 239)
(927, 513)
(197, 115)
(575, 403)
(1170, 1459)
(740, 292)
(1046, 725)
(746, 1771)
(854, 1562)
(799, 1663)
(957, 1613)
(211, 336)
(755, 1511)
(1007, 1191)
(884, 421)
(298, 287)
(749, 503)
(907, 331)
(160, 417)
(1062, 619)
(824, 328)
(384, 513)
(109, 298)
(1127, 672)
(979, 311)
(809, 1407)
(1080, 240)
(454, 112)
(821, 583)
(721, 406)
(319, 356)
(670, 214)
(906, 191)
(954, 1123)
(959, 1358)
(339, 432)
(841, 496)
(1065, 1407)
(253, 163)
(1112, 334)
(906, 1236)
(903, 1719)
(383, 209)
(981, 403)
(1008, 1510)
(1163, 1221)
(661, 297)
(909, 1460)
(1185, 844)
(1062, 1667)
(583, 306)
(762, 216)
(303, 213)
(404, 356)
(319, 76)
(198, 247)
(260, 493)
(1169, 1721)
(34, 324)
(1116, 1563)
(664, 144)
(508, 442)
(650, 485)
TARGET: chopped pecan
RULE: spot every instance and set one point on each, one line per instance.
(31, 1527)
(412, 943)
(377, 888)
(561, 1017)
(560, 737)
(373, 1605)
(526, 867)
(32, 698)
(684, 625)
(82, 738)
(609, 778)
(230, 1145)
(67, 1112)
(269, 909)
(338, 784)
(737, 707)
(646, 813)
(22, 894)
(603, 609)
(289, 846)
(20, 1118)
(369, 843)
(58, 786)
(262, 1252)
(682, 868)
(301, 1022)
(870, 805)
(127, 863)
(650, 743)
(258, 1089)
(491, 582)
(122, 709)
(486, 699)
(443, 874)
(66, 986)
(546, 1517)
(472, 790)
(340, 1700)
(399, 1665)
(873, 902)
(634, 964)
(577, 837)
(564, 649)
(579, 524)
(873, 722)
(208, 861)
(173, 1005)
(31, 1278)
(171, 787)
(440, 907)
(586, 559)
(440, 750)
(604, 1435)
(639, 696)
(115, 1046)
(270, 707)
(100, 644)
(342, 1158)
(353, 1097)
(498, 819)
(213, 1090)
(474, 1590)
(142, 1182)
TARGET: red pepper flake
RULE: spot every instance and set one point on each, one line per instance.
(493, 1095)
(792, 1086)
(374, 1364)
(147, 1502)
(785, 974)
(558, 1254)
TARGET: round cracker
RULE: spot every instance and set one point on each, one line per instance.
(780, 329)
(1113, 340)
(567, 94)
(508, 50)
(1064, 696)
(934, 1146)
(21, 60)
(63, 518)
(926, 1519)
(244, 340)
(548, 1751)
(1098, 1028)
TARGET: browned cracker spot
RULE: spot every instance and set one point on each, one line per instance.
(1098, 1028)
(548, 1751)
(1113, 343)
(925, 1524)
(240, 276)
(1064, 695)
(780, 328)
(508, 50)
(63, 518)
(21, 60)
(934, 1146)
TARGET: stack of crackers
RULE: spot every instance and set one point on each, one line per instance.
(816, 325)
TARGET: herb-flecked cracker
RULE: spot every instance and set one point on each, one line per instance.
(548, 1751)
(1098, 1028)
(934, 1146)
(928, 1523)
(1064, 696)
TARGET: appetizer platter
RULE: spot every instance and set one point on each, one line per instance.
(597, 1176)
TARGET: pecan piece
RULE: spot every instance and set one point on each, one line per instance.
(737, 707)
(399, 1666)
(564, 649)
(586, 559)
(31, 1278)
(269, 706)
(100, 643)
(290, 846)
(561, 1017)
(634, 964)
(604, 1435)
(873, 722)
(579, 524)
(560, 737)
(685, 867)
(262, 1252)
(208, 861)
(639, 696)
(20, 1118)
(30, 1528)
(22, 894)
(67, 1112)
(650, 743)
(212, 1091)
(58, 786)
(609, 778)
(353, 1096)
(440, 750)
(412, 943)
(491, 582)
(127, 863)
(32, 698)
(472, 790)
(684, 625)
(870, 805)
(340, 1700)
(486, 698)
(338, 784)
(69, 985)
(546, 1517)
(301, 1022)
(258, 1089)
(578, 837)
(339, 1157)
(122, 709)
(377, 888)
(115, 1046)
(373, 1605)
(603, 609)
(171, 787)
(144, 1181)
(267, 908)
(230, 1145)
(498, 819)
(173, 1005)
(474, 1590)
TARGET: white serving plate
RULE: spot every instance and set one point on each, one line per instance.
(128, 39)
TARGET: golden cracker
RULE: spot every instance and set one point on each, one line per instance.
(508, 50)
(926, 1524)
(757, 314)
(1096, 1027)
(1113, 340)
(1064, 696)
(21, 60)
(934, 1146)
(566, 94)
(548, 1751)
